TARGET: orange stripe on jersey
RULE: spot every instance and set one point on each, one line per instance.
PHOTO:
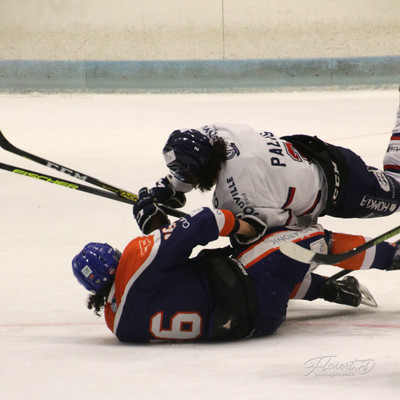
(260, 257)
(257, 251)
(295, 290)
(109, 315)
(270, 243)
(229, 223)
(342, 242)
(135, 258)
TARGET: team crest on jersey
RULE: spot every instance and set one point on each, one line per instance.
(144, 244)
(292, 152)
(231, 150)
(381, 178)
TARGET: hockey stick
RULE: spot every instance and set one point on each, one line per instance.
(123, 194)
(301, 254)
(77, 186)
(339, 274)
(65, 183)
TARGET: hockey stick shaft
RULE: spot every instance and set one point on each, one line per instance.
(71, 185)
(298, 253)
(344, 272)
(123, 194)
(339, 274)
(6, 145)
(336, 258)
(60, 182)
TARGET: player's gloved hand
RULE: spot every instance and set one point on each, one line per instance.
(147, 214)
(164, 193)
(259, 226)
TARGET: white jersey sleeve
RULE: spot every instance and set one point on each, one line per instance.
(266, 177)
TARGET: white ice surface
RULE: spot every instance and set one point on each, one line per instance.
(52, 347)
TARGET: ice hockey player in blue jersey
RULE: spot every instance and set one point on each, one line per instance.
(155, 290)
(284, 181)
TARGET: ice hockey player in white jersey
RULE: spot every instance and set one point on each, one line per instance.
(281, 181)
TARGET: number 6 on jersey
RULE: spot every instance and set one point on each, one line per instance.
(183, 326)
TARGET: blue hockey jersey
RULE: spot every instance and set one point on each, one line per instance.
(161, 294)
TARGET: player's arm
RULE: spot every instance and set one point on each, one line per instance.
(197, 228)
(246, 229)
(151, 217)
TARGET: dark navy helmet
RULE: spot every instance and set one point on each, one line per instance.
(186, 152)
(95, 265)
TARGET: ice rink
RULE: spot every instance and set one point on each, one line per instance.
(52, 347)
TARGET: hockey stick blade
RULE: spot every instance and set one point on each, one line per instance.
(306, 256)
(72, 185)
(6, 145)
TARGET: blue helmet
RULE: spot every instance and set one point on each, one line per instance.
(186, 152)
(95, 265)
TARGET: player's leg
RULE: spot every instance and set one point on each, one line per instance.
(368, 192)
(347, 291)
(315, 286)
(391, 161)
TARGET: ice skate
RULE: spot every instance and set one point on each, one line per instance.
(348, 291)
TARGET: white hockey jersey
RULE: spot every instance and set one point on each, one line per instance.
(266, 177)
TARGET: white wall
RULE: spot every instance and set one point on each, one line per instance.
(197, 29)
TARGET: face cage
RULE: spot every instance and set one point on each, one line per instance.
(182, 177)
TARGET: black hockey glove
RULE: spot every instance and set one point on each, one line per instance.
(260, 226)
(164, 193)
(147, 214)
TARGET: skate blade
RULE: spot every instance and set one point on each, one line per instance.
(366, 297)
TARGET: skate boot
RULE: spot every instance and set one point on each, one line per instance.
(391, 160)
(348, 292)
